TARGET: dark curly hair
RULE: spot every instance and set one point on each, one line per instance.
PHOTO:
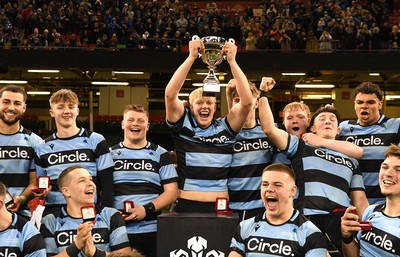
(368, 88)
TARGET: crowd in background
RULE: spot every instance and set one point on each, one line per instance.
(269, 24)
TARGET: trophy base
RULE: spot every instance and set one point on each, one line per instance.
(211, 94)
(211, 87)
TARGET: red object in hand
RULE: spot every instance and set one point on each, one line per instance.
(128, 204)
(365, 225)
(89, 213)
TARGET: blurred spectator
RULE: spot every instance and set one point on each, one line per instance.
(44, 38)
(350, 39)
(272, 10)
(211, 5)
(113, 27)
(301, 40)
(26, 16)
(385, 34)
(58, 41)
(16, 37)
(114, 41)
(325, 42)
(364, 38)
(320, 27)
(251, 41)
(337, 33)
(376, 39)
(34, 35)
(291, 33)
(182, 23)
(215, 29)
(50, 23)
(288, 34)
(104, 41)
(275, 37)
(185, 40)
(395, 36)
(133, 41)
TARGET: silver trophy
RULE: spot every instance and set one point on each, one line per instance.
(212, 56)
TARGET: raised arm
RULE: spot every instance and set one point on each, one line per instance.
(229, 97)
(173, 106)
(278, 136)
(344, 147)
(238, 114)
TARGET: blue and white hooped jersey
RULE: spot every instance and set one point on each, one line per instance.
(252, 152)
(298, 237)
(204, 156)
(279, 156)
(59, 230)
(384, 238)
(374, 140)
(17, 154)
(21, 238)
(139, 176)
(88, 149)
(324, 178)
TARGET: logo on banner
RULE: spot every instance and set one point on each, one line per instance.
(196, 247)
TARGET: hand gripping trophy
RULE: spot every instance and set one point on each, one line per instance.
(212, 56)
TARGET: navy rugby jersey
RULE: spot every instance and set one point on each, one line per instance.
(383, 239)
(252, 152)
(59, 230)
(139, 176)
(374, 140)
(324, 178)
(17, 153)
(88, 149)
(298, 237)
(203, 155)
(21, 238)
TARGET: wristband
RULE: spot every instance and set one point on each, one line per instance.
(23, 199)
(263, 94)
(347, 240)
(99, 253)
(72, 250)
(149, 208)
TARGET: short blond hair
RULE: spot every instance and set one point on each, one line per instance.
(63, 95)
(295, 106)
(136, 108)
(197, 94)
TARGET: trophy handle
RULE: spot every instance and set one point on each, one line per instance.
(195, 37)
